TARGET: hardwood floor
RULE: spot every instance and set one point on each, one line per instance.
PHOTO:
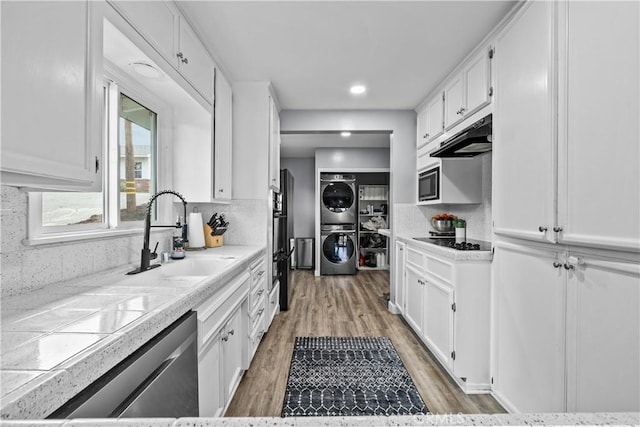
(344, 306)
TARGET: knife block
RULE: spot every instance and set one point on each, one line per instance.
(212, 241)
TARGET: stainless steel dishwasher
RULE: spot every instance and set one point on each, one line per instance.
(159, 380)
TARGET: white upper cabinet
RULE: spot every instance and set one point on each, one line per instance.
(157, 22)
(430, 120)
(435, 124)
(477, 81)
(566, 152)
(274, 146)
(52, 95)
(421, 127)
(168, 32)
(469, 90)
(195, 64)
(524, 125)
(453, 102)
(599, 131)
(223, 110)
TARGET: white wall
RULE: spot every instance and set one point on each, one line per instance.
(304, 193)
(402, 124)
(352, 158)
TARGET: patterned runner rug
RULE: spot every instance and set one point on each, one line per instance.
(339, 376)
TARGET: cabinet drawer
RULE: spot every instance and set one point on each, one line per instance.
(254, 297)
(254, 340)
(216, 309)
(257, 315)
(258, 273)
(440, 269)
(416, 258)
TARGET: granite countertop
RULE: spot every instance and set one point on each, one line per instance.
(622, 418)
(57, 340)
(446, 252)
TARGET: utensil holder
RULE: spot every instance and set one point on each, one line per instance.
(212, 241)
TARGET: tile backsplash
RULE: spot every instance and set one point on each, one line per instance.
(413, 220)
(23, 267)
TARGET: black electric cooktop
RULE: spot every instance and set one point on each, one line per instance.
(460, 245)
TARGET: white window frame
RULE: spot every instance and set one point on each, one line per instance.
(111, 225)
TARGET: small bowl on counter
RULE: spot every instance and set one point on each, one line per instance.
(442, 225)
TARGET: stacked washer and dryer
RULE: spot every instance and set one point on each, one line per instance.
(338, 219)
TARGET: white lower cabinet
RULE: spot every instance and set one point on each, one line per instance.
(529, 330)
(604, 335)
(399, 275)
(273, 304)
(222, 343)
(447, 305)
(567, 330)
(438, 320)
(413, 312)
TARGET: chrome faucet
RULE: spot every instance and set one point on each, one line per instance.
(147, 255)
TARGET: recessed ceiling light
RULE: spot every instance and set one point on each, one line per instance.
(345, 134)
(145, 69)
(358, 89)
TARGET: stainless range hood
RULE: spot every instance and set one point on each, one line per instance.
(470, 142)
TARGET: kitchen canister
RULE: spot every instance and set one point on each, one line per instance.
(195, 231)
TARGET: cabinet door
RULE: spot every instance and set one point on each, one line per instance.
(435, 124)
(157, 22)
(453, 102)
(421, 127)
(438, 320)
(523, 127)
(195, 63)
(477, 79)
(274, 146)
(399, 272)
(51, 93)
(599, 127)
(604, 335)
(529, 331)
(232, 353)
(415, 292)
(210, 399)
(222, 138)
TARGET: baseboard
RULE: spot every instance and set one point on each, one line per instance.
(476, 388)
(504, 402)
(393, 308)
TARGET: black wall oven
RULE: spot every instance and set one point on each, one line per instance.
(429, 184)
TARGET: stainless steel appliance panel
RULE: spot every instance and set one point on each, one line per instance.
(159, 380)
(338, 201)
(305, 252)
(338, 250)
(429, 184)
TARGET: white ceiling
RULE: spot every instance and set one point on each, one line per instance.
(304, 145)
(313, 51)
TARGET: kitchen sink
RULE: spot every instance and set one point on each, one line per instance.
(190, 270)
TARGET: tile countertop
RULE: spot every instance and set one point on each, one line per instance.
(57, 340)
(447, 252)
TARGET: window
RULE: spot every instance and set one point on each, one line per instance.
(130, 175)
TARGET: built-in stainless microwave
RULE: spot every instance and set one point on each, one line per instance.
(429, 184)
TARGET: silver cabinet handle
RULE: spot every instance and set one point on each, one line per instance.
(260, 292)
(260, 273)
(221, 190)
(260, 311)
(273, 302)
(425, 136)
(568, 266)
(542, 229)
(557, 264)
(180, 55)
(225, 338)
(557, 229)
(462, 110)
(231, 332)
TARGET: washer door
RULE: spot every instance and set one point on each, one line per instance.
(338, 197)
(338, 248)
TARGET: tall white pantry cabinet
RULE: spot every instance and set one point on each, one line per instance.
(566, 208)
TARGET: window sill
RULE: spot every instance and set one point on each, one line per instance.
(80, 236)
